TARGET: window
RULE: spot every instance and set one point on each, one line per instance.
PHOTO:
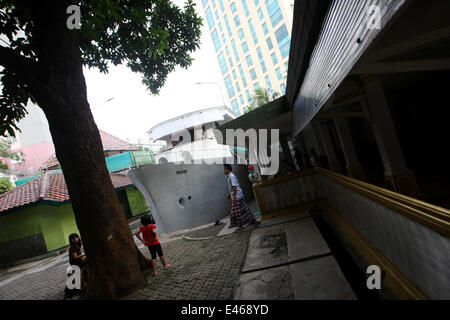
(286, 66)
(249, 98)
(283, 88)
(241, 34)
(233, 44)
(227, 51)
(235, 106)
(269, 43)
(274, 58)
(279, 74)
(244, 82)
(214, 3)
(269, 84)
(229, 86)
(234, 75)
(233, 7)
(216, 40)
(261, 60)
(223, 63)
(204, 2)
(256, 2)
(221, 5)
(230, 62)
(249, 60)
(256, 86)
(245, 46)
(210, 18)
(220, 27)
(252, 30)
(227, 24)
(274, 12)
(260, 14)
(244, 4)
(238, 87)
(224, 39)
(241, 99)
(253, 74)
(283, 40)
(237, 21)
(217, 15)
(264, 27)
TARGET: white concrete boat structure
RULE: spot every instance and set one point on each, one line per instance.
(187, 186)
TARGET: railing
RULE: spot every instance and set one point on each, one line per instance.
(288, 193)
(406, 237)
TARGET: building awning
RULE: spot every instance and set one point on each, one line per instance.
(274, 115)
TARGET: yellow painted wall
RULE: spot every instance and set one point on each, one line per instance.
(55, 223)
(137, 201)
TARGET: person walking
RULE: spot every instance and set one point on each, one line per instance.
(240, 213)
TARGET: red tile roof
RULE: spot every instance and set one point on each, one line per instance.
(50, 186)
(51, 162)
(112, 143)
(109, 142)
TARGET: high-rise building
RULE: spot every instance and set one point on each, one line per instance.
(252, 40)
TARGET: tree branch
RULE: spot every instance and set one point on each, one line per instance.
(25, 69)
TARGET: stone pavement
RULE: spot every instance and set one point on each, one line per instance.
(204, 267)
(287, 258)
(281, 258)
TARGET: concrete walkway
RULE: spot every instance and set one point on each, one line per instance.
(281, 258)
(287, 258)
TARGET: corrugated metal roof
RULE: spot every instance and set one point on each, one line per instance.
(346, 33)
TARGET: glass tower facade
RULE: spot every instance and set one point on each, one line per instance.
(258, 34)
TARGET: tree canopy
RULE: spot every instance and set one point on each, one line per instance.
(263, 96)
(151, 37)
(43, 58)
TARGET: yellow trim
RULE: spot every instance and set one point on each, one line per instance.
(396, 283)
(433, 217)
(285, 178)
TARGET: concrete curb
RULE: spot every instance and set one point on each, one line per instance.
(197, 239)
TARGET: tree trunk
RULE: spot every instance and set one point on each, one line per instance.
(113, 258)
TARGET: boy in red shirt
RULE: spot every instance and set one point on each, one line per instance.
(148, 230)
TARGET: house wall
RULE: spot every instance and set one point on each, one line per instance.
(35, 230)
(137, 201)
(41, 228)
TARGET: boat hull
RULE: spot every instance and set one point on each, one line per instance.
(183, 196)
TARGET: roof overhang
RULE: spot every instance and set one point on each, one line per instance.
(328, 56)
(274, 115)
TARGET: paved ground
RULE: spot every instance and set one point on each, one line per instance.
(204, 267)
(38, 280)
(281, 258)
(201, 270)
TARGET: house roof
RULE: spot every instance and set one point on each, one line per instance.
(112, 143)
(50, 186)
(51, 162)
(109, 142)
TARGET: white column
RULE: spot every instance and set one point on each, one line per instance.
(353, 166)
(397, 175)
(317, 136)
(329, 149)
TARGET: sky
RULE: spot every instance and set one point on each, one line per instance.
(133, 110)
